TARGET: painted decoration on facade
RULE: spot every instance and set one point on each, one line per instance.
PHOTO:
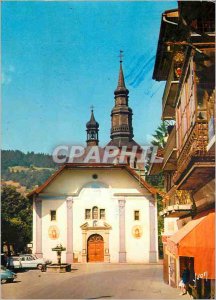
(53, 232)
(137, 231)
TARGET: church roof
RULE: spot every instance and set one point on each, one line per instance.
(151, 189)
(123, 142)
(121, 88)
(92, 123)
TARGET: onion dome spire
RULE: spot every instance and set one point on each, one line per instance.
(92, 123)
(92, 128)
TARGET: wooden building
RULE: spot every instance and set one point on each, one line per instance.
(186, 61)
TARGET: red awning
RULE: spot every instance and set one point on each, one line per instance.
(197, 239)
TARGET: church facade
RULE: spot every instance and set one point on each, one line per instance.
(99, 212)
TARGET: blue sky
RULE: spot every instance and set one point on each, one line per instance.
(59, 58)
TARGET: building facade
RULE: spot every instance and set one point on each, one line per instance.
(100, 213)
(186, 61)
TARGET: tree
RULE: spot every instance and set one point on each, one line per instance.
(159, 140)
(16, 212)
(160, 135)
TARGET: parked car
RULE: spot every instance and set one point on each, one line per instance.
(7, 275)
(14, 262)
(27, 261)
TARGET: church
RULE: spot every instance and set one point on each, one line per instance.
(100, 212)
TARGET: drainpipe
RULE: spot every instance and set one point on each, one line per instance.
(169, 22)
(176, 24)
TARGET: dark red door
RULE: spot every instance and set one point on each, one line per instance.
(95, 248)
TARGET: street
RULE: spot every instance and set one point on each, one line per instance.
(93, 281)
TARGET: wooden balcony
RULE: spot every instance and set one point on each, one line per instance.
(177, 203)
(169, 97)
(170, 157)
(195, 165)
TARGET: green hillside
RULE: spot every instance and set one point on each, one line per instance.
(28, 169)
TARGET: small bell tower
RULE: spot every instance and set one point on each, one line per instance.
(92, 128)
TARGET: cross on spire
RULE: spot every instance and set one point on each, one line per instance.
(121, 56)
(92, 108)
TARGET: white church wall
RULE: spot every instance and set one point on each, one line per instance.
(113, 220)
(47, 242)
(137, 248)
(34, 229)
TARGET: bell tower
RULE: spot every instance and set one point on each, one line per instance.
(92, 128)
(121, 115)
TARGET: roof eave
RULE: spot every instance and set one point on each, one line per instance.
(157, 74)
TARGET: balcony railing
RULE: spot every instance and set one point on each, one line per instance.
(170, 152)
(194, 151)
(177, 203)
(177, 197)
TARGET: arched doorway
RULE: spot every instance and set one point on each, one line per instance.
(95, 248)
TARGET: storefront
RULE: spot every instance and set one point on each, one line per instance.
(194, 245)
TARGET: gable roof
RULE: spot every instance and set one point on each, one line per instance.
(132, 172)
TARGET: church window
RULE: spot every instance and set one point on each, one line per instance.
(95, 212)
(53, 215)
(102, 214)
(136, 215)
(88, 214)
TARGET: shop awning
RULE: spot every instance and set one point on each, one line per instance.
(197, 239)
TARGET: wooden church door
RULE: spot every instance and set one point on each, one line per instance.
(95, 248)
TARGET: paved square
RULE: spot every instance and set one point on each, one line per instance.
(93, 281)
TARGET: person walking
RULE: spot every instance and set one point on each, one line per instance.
(185, 279)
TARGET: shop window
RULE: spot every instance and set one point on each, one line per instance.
(102, 214)
(53, 215)
(136, 215)
(88, 214)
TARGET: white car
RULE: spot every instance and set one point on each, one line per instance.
(27, 261)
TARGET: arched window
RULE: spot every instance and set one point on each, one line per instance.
(95, 212)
